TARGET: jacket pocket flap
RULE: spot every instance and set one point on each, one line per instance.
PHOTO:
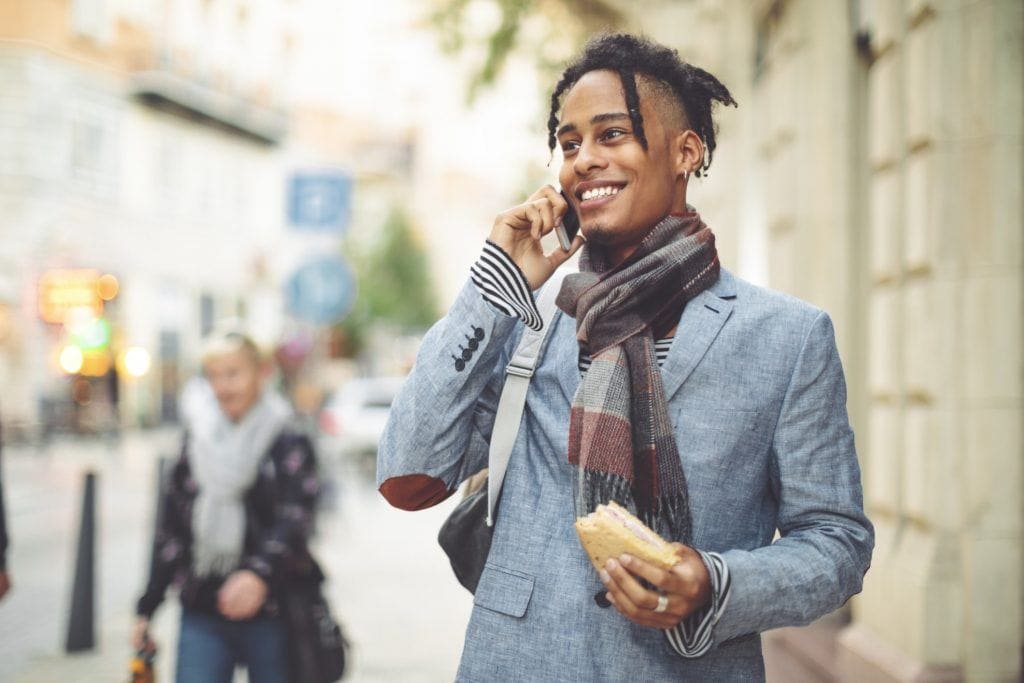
(503, 590)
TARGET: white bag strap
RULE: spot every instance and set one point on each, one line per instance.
(513, 394)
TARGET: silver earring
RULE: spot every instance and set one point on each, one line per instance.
(686, 175)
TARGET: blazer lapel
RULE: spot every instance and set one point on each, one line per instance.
(699, 325)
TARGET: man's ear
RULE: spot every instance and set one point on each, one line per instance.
(687, 152)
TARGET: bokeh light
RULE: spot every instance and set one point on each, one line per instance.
(71, 359)
(136, 361)
(107, 287)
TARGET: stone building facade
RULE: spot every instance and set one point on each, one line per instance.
(874, 167)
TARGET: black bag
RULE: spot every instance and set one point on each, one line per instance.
(316, 646)
(466, 538)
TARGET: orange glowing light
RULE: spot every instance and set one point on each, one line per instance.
(107, 287)
(95, 363)
(61, 291)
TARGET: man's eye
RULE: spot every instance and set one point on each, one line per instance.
(570, 146)
(612, 133)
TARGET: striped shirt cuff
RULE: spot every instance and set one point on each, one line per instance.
(692, 637)
(503, 285)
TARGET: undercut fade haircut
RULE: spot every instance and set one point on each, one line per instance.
(694, 90)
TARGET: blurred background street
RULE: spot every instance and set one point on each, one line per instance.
(323, 173)
(389, 583)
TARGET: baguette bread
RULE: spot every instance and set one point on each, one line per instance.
(611, 530)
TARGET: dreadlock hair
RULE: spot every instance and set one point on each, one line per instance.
(692, 88)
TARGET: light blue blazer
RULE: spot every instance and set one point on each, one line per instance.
(758, 401)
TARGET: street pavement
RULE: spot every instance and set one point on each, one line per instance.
(389, 583)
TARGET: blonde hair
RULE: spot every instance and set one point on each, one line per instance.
(223, 342)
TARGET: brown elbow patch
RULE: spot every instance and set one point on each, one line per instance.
(414, 491)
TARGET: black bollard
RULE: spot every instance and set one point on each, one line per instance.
(163, 466)
(81, 623)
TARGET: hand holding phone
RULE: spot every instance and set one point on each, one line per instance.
(519, 230)
(570, 225)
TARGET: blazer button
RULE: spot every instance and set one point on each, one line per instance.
(466, 354)
(460, 365)
(601, 598)
(478, 332)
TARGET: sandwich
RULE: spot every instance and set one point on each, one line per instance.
(611, 530)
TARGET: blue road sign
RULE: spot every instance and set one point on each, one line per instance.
(320, 201)
(321, 291)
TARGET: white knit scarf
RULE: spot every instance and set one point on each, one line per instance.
(225, 458)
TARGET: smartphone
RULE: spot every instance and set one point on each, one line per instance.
(570, 225)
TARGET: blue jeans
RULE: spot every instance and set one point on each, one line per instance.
(210, 647)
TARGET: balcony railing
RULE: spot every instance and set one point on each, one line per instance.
(167, 91)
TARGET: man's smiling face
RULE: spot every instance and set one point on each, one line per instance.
(619, 189)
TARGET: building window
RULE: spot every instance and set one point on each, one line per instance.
(206, 314)
(167, 171)
(92, 155)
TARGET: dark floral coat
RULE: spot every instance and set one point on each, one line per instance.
(280, 508)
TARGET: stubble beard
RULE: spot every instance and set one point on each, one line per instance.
(610, 236)
(600, 233)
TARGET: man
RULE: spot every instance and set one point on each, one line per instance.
(713, 408)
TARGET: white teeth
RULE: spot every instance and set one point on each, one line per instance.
(599, 192)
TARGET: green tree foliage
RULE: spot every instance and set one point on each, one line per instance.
(565, 26)
(395, 287)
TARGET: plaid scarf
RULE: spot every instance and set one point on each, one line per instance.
(620, 434)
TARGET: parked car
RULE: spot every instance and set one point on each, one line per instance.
(353, 418)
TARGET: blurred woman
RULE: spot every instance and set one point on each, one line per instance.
(237, 510)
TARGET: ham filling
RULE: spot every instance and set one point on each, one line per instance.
(635, 527)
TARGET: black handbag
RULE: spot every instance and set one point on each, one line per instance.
(317, 647)
(466, 538)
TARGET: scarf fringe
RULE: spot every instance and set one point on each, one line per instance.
(595, 488)
(669, 514)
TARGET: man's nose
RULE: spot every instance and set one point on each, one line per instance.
(589, 158)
